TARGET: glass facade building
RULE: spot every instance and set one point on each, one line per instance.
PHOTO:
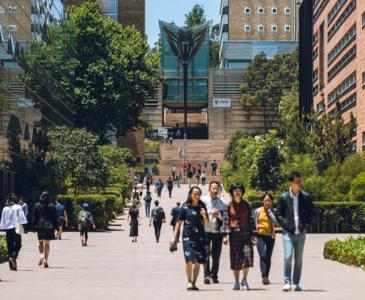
(111, 9)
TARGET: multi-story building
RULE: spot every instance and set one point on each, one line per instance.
(249, 27)
(338, 61)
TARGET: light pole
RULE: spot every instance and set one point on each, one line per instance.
(185, 43)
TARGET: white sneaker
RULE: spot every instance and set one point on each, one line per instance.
(297, 288)
(244, 285)
(287, 288)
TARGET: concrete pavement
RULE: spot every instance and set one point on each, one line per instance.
(112, 267)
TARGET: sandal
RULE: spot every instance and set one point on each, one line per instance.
(46, 265)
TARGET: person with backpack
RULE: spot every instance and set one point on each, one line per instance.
(175, 212)
(203, 177)
(170, 186)
(85, 221)
(197, 176)
(159, 187)
(135, 198)
(214, 166)
(12, 221)
(45, 220)
(147, 204)
(157, 217)
(189, 175)
(148, 182)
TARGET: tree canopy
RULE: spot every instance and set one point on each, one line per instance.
(94, 72)
(196, 16)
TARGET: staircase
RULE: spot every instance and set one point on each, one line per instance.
(196, 150)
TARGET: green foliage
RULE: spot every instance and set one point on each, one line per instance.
(265, 82)
(104, 72)
(78, 161)
(357, 192)
(3, 250)
(152, 146)
(196, 16)
(258, 159)
(350, 252)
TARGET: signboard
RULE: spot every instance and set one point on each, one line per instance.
(222, 102)
(162, 131)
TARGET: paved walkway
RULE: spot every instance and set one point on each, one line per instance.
(114, 268)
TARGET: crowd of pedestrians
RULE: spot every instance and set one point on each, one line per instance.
(49, 218)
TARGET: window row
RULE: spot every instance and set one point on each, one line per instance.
(261, 28)
(344, 86)
(274, 10)
(341, 19)
(344, 105)
(344, 61)
(347, 38)
(334, 11)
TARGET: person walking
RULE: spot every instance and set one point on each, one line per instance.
(189, 175)
(171, 140)
(173, 171)
(133, 220)
(170, 186)
(179, 152)
(147, 203)
(205, 161)
(178, 180)
(194, 216)
(159, 187)
(197, 176)
(157, 217)
(238, 224)
(265, 234)
(86, 221)
(62, 219)
(215, 208)
(203, 177)
(294, 213)
(148, 182)
(45, 220)
(214, 166)
(12, 221)
(175, 212)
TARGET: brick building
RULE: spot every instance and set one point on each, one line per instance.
(338, 60)
(249, 27)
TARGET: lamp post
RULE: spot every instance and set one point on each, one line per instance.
(185, 43)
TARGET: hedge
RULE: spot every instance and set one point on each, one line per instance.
(331, 217)
(350, 252)
(3, 250)
(103, 208)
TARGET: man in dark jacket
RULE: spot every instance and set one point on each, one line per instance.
(294, 214)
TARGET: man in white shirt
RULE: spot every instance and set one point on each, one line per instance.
(215, 207)
(12, 220)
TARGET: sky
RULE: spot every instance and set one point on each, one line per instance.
(175, 10)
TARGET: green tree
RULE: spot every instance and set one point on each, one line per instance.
(265, 82)
(78, 161)
(196, 16)
(101, 71)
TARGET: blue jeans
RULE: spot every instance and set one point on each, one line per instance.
(293, 244)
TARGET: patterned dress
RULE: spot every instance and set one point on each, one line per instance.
(193, 233)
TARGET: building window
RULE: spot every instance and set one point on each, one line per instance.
(334, 11)
(287, 28)
(363, 19)
(363, 141)
(320, 107)
(247, 28)
(343, 62)
(260, 28)
(315, 75)
(342, 44)
(342, 88)
(341, 19)
(274, 10)
(287, 10)
(247, 10)
(274, 28)
(260, 10)
(363, 80)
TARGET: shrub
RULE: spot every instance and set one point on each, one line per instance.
(102, 208)
(350, 252)
(3, 250)
(357, 192)
(152, 146)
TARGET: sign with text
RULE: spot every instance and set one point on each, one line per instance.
(221, 102)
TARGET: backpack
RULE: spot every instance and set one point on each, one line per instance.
(84, 218)
(160, 215)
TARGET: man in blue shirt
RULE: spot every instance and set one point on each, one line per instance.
(62, 219)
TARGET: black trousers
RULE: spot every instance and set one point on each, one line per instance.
(265, 247)
(157, 226)
(170, 192)
(147, 209)
(159, 192)
(14, 242)
(214, 250)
